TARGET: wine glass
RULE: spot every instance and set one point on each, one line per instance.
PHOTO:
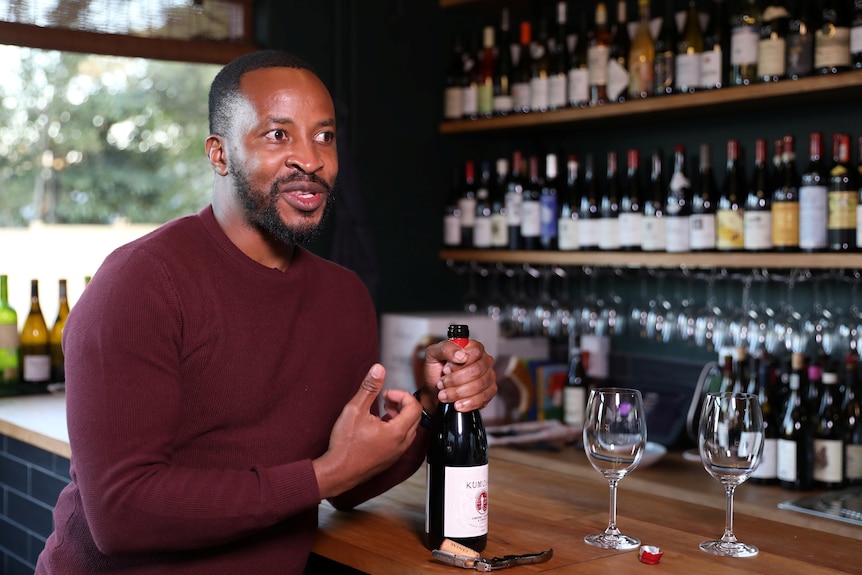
(614, 440)
(730, 440)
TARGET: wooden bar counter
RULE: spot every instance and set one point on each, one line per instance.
(542, 500)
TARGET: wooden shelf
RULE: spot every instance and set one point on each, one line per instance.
(830, 260)
(814, 89)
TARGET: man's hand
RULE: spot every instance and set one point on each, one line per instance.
(460, 375)
(361, 445)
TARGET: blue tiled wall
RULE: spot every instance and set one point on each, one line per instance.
(30, 481)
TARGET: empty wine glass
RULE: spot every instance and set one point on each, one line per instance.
(730, 441)
(614, 439)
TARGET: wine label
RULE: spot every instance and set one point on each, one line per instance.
(853, 461)
(654, 236)
(757, 230)
(588, 233)
(567, 228)
(452, 230)
(785, 224)
(702, 231)
(531, 219)
(465, 501)
(677, 234)
(468, 212)
(768, 466)
(744, 41)
(539, 93)
(841, 210)
(452, 103)
(36, 368)
(609, 234)
(579, 86)
(828, 460)
(710, 69)
(574, 405)
(786, 468)
(557, 91)
(631, 229)
(514, 203)
(499, 231)
(832, 50)
(812, 217)
(729, 229)
(482, 233)
(771, 60)
(687, 72)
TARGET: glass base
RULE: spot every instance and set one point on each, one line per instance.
(729, 548)
(608, 541)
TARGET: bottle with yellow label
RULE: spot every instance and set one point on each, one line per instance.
(58, 371)
(729, 212)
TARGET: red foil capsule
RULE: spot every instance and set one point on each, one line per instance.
(649, 554)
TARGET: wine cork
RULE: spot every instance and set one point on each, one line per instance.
(458, 549)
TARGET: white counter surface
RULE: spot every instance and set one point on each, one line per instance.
(39, 420)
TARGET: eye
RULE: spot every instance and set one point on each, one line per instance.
(326, 137)
(278, 135)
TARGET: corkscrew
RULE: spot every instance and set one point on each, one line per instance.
(458, 555)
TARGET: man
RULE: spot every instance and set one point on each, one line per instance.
(221, 379)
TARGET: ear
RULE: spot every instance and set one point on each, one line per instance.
(217, 154)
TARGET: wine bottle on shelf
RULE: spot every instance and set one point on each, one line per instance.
(452, 98)
(856, 36)
(829, 435)
(515, 199)
(813, 194)
(598, 56)
(58, 363)
(487, 63)
(642, 55)
(499, 217)
(744, 40)
(654, 238)
(558, 97)
(715, 58)
(702, 219)
(677, 212)
(729, 226)
(853, 428)
(609, 208)
(577, 385)
(470, 84)
(785, 202)
(548, 200)
(689, 49)
(631, 206)
(757, 214)
(452, 213)
(795, 433)
(467, 204)
(35, 343)
(772, 47)
(800, 39)
(859, 197)
(567, 226)
(503, 103)
(523, 74)
(665, 52)
(9, 339)
(842, 198)
(540, 69)
(578, 74)
(588, 212)
(832, 38)
(482, 221)
(777, 176)
(531, 207)
(766, 472)
(618, 58)
(456, 502)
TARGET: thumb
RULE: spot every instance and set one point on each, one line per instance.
(370, 388)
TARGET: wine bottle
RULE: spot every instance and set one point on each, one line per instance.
(9, 342)
(588, 212)
(832, 39)
(729, 226)
(540, 69)
(548, 201)
(503, 103)
(677, 210)
(531, 207)
(853, 428)
(715, 59)
(859, 197)
(499, 217)
(578, 75)
(856, 36)
(58, 364)
(702, 217)
(487, 62)
(757, 214)
(598, 56)
(523, 74)
(772, 47)
(642, 56)
(452, 98)
(688, 52)
(558, 97)
(35, 343)
(842, 198)
(482, 221)
(515, 200)
(631, 207)
(452, 213)
(767, 471)
(467, 204)
(744, 40)
(618, 58)
(785, 202)
(665, 53)
(470, 82)
(829, 435)
(654, 237)
(795, 434)
(609, 209)
(813, 194)
(577, 385)
(567, 226)
(456, 502)
(800, 40)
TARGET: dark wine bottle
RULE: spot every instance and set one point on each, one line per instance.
(842, 198)
(715, 59)
(548, 202)
(467, 204)
(800, 40)
(452, 86)
(772, 48)
(515, 199)
(631, 205)
(531, 208)
(58, 358)
(558, 82)
(832, 38)
(757, 217)
(796, 433)
(829, 435)
(853, 425)
(456, 502)
(577, 386)
(502, 101)
(653, 238)
(767, 470)
(598, 56)
(677, 210)
(499, 217)
(588, 211)
(785, 202)
(856, 36)
(567, 225)
(744, 39)
(665, 53)
(579, 74)
(813, 195)
(729, 212)
(482, 220)
(702, 217)
(609, 209)
(618, 60)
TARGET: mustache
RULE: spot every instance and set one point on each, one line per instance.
(300, 177)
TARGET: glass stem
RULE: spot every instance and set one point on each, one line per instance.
(612, 514)
(728, 518)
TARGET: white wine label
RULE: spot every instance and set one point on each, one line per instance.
(786, 469)
(768, 466)
(853, 461)
(36, 368)
(828, 460)
(465, 501)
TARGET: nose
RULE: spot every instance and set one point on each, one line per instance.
(305, 156)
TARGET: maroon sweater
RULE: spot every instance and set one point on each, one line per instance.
(200, 385)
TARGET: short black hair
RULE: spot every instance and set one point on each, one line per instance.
(225, 86)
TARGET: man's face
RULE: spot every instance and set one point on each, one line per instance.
(283, 155)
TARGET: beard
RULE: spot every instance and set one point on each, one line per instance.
(261, 208)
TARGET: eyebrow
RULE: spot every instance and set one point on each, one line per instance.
(328, 123)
